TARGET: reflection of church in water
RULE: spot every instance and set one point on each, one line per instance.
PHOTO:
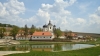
(45, 47)
(39, 47)
(35, 47)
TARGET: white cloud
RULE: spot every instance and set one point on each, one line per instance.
(3, 11)
(95, 18)
(55, 12)
(10, 11)
(80, 20)
(84, 6)
(14, 7)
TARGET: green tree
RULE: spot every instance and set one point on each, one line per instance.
(14, 31)
(39, 29)
(68, 34)
(26, 31)
(58, 32)
(2, 31)
(32, 29)
(22, 31)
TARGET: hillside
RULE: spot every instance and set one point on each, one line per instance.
(90, 34)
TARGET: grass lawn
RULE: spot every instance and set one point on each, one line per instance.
(93, 51)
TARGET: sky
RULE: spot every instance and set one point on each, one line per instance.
(74, 15)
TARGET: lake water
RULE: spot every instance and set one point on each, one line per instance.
(44, 47)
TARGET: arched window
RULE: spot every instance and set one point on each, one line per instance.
(50, 27)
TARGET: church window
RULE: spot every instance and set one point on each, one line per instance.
(50, 27)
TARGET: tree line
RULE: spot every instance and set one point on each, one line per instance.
(6, 25)
(27, 31)
(15, 30)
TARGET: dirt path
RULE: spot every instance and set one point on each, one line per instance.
(2, 53)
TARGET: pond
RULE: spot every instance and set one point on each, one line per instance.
(45, 47)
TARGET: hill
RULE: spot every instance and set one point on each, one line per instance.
(89, 34)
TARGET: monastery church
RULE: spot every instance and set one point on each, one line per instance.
(46, 34)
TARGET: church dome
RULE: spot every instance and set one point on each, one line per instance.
(44, 25)
(54, 26)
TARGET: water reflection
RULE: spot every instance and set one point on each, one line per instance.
(45, 47)
(67, 47)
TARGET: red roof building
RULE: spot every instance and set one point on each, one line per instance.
(42, 36)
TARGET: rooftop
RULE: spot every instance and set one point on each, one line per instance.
(42, 34)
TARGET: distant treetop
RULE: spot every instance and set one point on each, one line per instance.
(6, 25)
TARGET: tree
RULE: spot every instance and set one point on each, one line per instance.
(32, 29)
(22, 31)
(39, 29)
(26, 30)
(58, 32)
(68, 34)
(14, 31)
(2, 31)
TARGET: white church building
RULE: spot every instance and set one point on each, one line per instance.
(46, 34)
(49, 27)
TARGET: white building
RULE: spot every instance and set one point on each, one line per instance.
(47, 33)
(49, 27)
(23, 37)
(42, 36)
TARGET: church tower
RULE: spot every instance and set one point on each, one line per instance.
(49, 27)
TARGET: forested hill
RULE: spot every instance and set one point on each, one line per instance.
(6, 25)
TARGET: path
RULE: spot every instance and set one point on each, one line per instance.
(2, 53)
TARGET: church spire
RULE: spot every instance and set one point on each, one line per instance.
(49, 23)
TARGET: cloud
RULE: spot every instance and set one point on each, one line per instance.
(84, 7)
(80, 21)
(57, 12)
(95, 18)
(3, 11)
(14, 7)
(94, 21)
(10, 10)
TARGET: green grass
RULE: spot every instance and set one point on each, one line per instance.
(94, 51)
